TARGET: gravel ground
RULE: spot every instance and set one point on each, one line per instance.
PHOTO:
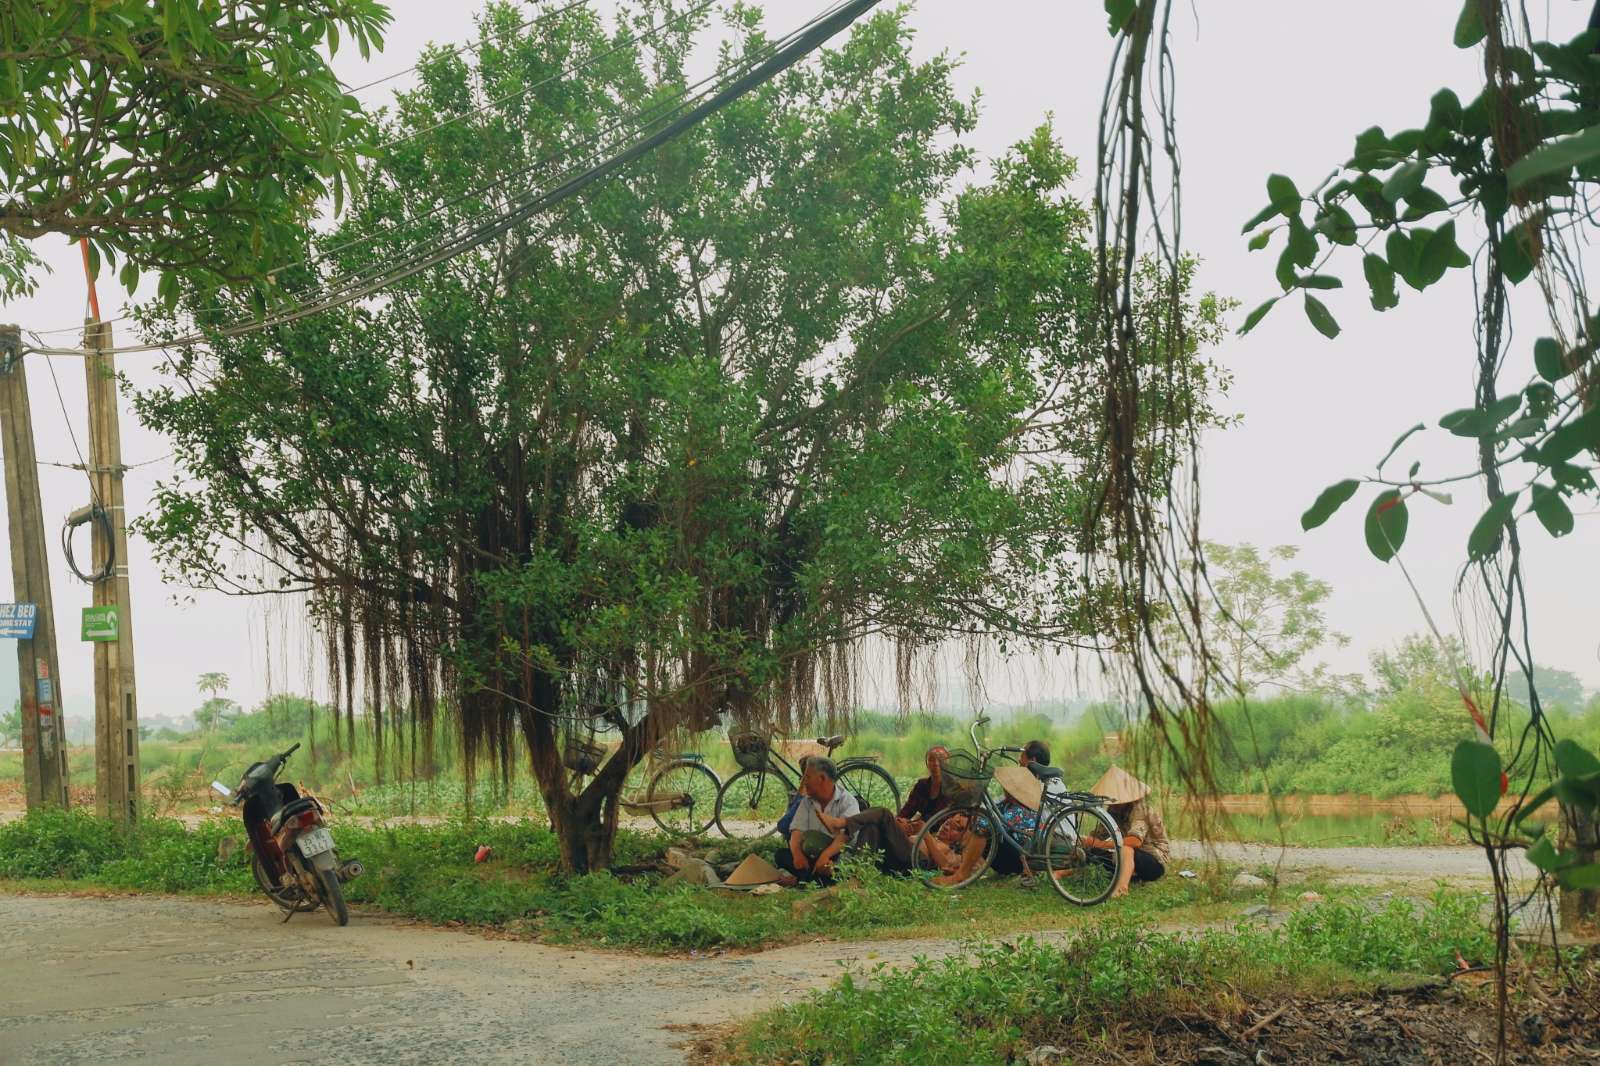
(152, 979)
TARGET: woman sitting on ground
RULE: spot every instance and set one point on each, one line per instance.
(928, 796)
(1019, 811)
(1145, 848)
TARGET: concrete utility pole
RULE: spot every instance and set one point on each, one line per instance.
(116, 713)
(44, 735)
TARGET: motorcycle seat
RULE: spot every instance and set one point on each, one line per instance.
(289, 810)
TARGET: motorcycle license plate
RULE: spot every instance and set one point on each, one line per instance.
(315, 842)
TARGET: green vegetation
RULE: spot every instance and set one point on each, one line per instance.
(670, 452)
(189, 138)
(1011, 998)
(428, 873)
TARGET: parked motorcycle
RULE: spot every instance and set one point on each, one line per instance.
(292, 852)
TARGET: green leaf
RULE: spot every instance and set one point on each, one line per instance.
(1556, 157)
(1581, 434)
(1405, 180)
(1543, 855)
(1283, 194)
(1538, 800)
(1337, 225)
(1423, 202)
(1580, 878)
(1380, 279)
(1302, 245)
(1260, 240)
(1119, 13)
(1321, 317)
(1330, 500)
(1475, 776)
(1401, 251)
(1387, 520)
(1270, 211)
(1515, 262)
(1469, 25)
(1574, 760)
(1256, 316)
(1552, 511)
(1547, 359)
(1573, 477)
(1484, 539)
(1439, 254)
(1320, 281)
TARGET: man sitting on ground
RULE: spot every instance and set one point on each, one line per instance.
(813, 845)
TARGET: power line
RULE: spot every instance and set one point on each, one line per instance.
(649, 34)
(811, 36)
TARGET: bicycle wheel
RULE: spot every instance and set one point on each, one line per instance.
(1081, 874)
(695, 782)
(929, 858)
(752, 801)
(870, 784)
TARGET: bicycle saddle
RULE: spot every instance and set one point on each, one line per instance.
(1045, 773)
(831, 742)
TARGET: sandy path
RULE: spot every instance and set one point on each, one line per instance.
(177, 981)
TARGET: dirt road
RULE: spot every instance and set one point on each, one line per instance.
(158, 980)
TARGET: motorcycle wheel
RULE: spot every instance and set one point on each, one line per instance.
(284, 897)
(332, 894)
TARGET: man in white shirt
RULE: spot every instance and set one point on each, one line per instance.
(823, 796)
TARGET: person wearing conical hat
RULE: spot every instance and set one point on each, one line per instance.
(1019, 815)
(1145, 848)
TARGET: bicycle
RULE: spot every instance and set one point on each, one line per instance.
(1056, 844)
(761, 790)
(683, 785)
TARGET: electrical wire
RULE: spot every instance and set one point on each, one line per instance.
(811, 36)
(649, 34)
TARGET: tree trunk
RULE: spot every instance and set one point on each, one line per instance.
(585, 824)
(1580, 832)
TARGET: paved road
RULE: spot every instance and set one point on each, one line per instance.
(150, 979)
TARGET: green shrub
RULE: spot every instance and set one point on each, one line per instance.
(1008, 998)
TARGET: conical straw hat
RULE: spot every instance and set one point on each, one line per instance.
(1120, 786)
(1020, 785)
(753, 871)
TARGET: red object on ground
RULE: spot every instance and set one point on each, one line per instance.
(484, 851)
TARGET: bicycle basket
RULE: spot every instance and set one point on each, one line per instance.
(582, 757)
(966, 768)
(749, 750)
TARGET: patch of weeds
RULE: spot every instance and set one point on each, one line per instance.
(994, 1006)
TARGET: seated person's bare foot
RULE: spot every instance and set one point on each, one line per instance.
(1119, 891)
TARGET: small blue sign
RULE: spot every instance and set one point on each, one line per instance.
(47, 690)
(17, 620)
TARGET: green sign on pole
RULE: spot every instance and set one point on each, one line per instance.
(100, 623)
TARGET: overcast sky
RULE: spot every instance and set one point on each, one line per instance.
(1280, 86)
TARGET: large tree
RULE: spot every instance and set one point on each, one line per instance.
(806, 375)
(188, 137)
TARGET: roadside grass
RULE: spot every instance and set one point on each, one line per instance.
(427, 872)
(1000, 1002)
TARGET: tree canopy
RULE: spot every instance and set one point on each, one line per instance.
(807, 375)
(188, 137)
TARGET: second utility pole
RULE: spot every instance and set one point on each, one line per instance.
(116, 712)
